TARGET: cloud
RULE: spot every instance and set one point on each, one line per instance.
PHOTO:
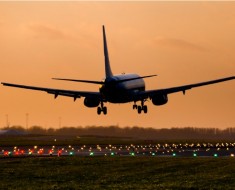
(48, 32)
(51, 32)
(177, 44)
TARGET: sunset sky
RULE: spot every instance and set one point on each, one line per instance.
(181, 42)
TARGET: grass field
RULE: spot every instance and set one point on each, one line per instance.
(42, 140)
(117, 173)
(48, 140)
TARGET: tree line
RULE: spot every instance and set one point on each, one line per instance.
(131, 132)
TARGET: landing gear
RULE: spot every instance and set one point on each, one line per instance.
(145, 108)
(105, 110)
(134, 106)
(140, 108)
(99, 110)
(102, 108)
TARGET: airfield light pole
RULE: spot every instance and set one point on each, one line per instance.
(27, 121)
(59, 122)
(7, 121)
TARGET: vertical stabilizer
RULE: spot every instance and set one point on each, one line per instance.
(108, 71)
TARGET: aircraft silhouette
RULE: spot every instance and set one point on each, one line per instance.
(119, 89)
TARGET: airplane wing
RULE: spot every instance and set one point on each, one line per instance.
(58, 92)
(152, 93)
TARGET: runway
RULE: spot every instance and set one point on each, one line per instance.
(167, 150)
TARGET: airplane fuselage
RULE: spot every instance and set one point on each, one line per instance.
(122, 92)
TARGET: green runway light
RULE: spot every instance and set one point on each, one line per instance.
(91, 153)
(153, 154)
(194, 154)
(215, 155)
(70, 153)
(174, 154)
(132, 154)
(112, 154)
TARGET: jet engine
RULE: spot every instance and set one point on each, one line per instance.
(159, 100)
(91, 102)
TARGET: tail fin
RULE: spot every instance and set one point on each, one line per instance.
(108, 71)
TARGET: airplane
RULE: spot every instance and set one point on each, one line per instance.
(121, 88)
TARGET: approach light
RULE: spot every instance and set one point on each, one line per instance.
(59, 152)
(40, 151)
(6, 153)
(50, 152)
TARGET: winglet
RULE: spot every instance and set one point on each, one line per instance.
(108, 71)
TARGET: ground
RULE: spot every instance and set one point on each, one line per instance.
(117, 173)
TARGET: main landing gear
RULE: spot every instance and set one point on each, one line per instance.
(102, 108)
(140, 108)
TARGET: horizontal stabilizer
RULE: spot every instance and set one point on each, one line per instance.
(86, 81)
(124, 80)
(101, 82)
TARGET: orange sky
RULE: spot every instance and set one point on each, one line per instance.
(181, 42)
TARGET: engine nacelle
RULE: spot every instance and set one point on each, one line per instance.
(91, 102)
(159, 100)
